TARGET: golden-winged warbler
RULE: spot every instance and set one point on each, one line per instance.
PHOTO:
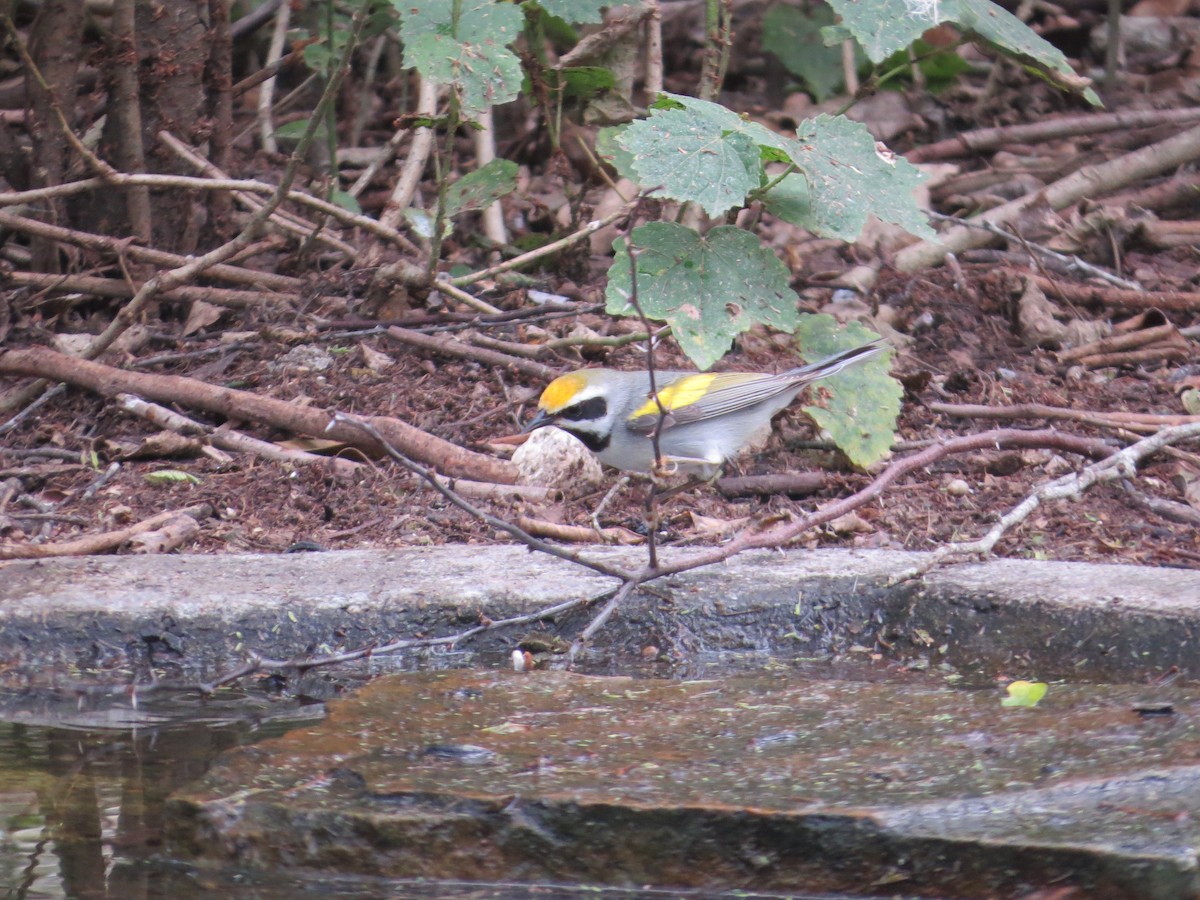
(709, 417)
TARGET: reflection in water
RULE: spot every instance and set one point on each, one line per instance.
(81, 807)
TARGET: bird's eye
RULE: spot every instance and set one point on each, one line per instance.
(589, 410)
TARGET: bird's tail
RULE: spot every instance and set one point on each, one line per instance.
(833, 364)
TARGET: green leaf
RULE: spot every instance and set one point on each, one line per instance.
(791, 200)
(709, 288)
(862, 402)
(848, 177)
(995, 26)
(345, 200)
(941, 68)
(582, 82)
(422, 222)
(691, 158)
(832, 35)
(700, 151)
(1025, 693)
(576, 11)
(470, 53)
(171, 476)
(481, 188)
(317, 56)
(884, 26)
(794, 36)
(293, 130)
(609, 149)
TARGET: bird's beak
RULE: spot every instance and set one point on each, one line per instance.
(541, 420)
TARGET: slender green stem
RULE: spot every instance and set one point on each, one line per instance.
(441, 159)
(712, 19)
(876, 81)
(759, 193)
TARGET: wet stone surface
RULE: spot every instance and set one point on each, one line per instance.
(763, 782)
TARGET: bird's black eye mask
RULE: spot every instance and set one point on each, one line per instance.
(592, 409)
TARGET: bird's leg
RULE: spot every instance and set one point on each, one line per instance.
(693, 482)
(612, 492)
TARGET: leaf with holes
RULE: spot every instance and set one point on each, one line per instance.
(468, 51)
(691, 157)
(882, 27)
(847, 177)
(987, 23)
(709, 288)
(861, 403)
(483, 187)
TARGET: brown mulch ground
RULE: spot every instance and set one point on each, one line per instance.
(963, 347)
(969, 351)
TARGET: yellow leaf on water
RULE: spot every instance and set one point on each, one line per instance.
(1025, 693)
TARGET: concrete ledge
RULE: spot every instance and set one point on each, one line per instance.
(193, 614)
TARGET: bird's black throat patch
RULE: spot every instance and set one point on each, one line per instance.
(597, 443)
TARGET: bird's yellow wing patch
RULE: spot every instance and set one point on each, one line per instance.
(560, 392)
(677, 395)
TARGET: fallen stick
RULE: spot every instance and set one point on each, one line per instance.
(1051, 129)
(1140, 422)
(115, 287)
(1167, 301)
(1090, 181)
(1120, 342)
(482, 490)
(160, 258)
(171, 535)
(578, 534)
(792, 484)
(107, 381)
(105, 542)
(227, 439)
(450, 347)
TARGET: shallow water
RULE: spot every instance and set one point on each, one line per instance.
(82, 794)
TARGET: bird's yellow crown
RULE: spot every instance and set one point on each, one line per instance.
(561, 391)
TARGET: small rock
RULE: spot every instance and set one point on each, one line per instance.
(552, 458)
(958, 488)
(305, 357)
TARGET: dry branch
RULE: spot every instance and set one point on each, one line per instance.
(113, 287)
(985, 139)
(243, 405)
(228, 439)
(109, 540)
(1121, 465)
(778, 535)
(790, 484)
(450, 347)
(482, 490)
(118, 246)
(1144, 423)
(1089, 181)
(1167, 301)
(414, 168)
(578, 534)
